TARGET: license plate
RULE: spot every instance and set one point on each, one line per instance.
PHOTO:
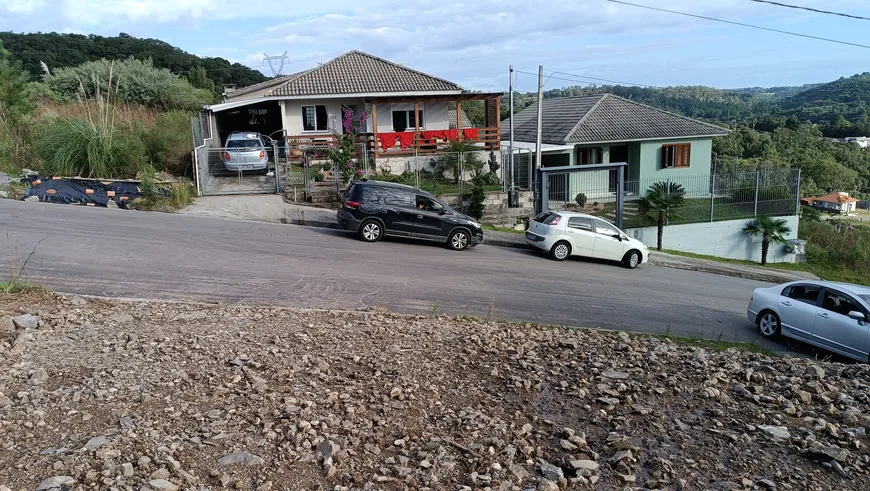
(247, 167)
(531, 237)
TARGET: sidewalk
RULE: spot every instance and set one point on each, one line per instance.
(272, 208)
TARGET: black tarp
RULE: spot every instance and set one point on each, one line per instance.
(82, 191)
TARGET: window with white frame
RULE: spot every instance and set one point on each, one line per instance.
(314, 118)
(403, 117)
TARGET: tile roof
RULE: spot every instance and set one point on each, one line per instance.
(836, 198)
(451, 119)
(263, 85)
(602, 119)
(356, 72)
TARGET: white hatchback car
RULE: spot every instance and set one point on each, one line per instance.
(563, 234)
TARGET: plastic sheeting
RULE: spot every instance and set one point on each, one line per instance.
(82, 191)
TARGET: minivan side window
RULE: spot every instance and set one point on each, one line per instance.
(803, 293)
(428, 204)
(581, 223)
(399, 198)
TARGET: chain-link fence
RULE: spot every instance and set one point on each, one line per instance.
(706, 197)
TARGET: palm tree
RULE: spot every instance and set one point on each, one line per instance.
(770, 230)
(659, 203)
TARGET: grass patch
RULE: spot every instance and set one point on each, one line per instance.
(713, 344)
(507, 230)
(167, 200)
(14, 287)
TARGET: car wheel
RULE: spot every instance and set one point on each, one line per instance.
(560, 251)
(371, 231)
(769, 324)
(459, 240)
(631, 260)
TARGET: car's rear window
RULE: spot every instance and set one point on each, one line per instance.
(542, 217)
(244, 144)
(552, 218)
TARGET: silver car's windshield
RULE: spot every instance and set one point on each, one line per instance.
(244, 144)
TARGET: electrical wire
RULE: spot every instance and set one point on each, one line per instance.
(810, 9)
(797, 34)
(577, 77)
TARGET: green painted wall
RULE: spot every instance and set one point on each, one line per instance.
(651, 159)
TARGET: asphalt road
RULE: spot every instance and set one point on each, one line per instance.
(151, 255)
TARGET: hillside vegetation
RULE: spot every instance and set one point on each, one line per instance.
(69, 50)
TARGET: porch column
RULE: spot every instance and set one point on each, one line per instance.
(459, 120)
(375, 128)
(605, 154)
(417, 116)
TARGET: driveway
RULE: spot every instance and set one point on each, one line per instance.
(131, 254)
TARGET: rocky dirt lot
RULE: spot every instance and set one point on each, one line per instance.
(110, 395)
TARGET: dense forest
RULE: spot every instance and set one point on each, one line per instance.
(840, 108)
(70, 50)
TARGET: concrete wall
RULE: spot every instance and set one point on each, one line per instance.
(496, 211)
(721, 239)
(651, 159)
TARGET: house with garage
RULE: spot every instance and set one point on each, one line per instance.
(605, 128)
(407, 112)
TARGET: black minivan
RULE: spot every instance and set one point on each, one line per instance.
(374, 209)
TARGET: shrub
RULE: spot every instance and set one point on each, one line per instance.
(580, 199)
(475, 208)
(73, 147)
(810, 214)
(168, 143)
(132, 81)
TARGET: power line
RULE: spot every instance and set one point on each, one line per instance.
(606, 80)
(228, 69)
(810, 9)
(587, 82)
(742, 24)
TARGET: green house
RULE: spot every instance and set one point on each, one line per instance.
(657, 145)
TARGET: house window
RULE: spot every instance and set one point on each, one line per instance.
(675, 156)
(314, 118)
(257, 116)
(403, 119)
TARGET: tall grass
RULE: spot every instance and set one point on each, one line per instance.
(94, 145)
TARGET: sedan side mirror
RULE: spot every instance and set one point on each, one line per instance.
(858, 316)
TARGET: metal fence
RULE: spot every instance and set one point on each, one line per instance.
(229, 171)
(707, 197)
(444, 173)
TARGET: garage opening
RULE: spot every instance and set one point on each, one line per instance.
(263, 117)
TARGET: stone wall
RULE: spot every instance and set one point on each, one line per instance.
(496, 211)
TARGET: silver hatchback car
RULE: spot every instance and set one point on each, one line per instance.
(245, 151)
(832, 316)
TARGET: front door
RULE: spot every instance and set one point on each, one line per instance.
(398, 212)
(607, 243)
(429, 222)
(618, 154)
(836, 330)
(798, 305)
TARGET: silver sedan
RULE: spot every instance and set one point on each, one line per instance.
(832, 316)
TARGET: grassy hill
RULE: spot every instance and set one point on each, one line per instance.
(66, 50)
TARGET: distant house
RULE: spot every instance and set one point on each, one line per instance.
(834, 202)
(598, 129)
(862, 141)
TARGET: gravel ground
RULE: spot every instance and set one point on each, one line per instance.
(140, 395)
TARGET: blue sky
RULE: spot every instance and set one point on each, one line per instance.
(473, 42)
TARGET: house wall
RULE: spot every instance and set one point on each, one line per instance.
(434, 115)
(293, 114)
(651, 159)
(721, 239)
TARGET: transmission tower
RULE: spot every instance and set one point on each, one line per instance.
(273, 60)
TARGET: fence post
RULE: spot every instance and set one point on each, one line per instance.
(797, 194)
(620, 198)
(757, 181)
(668, 190)
(712, 195)
(459, 166)
(275, 159)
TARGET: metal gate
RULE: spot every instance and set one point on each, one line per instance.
(597, 189)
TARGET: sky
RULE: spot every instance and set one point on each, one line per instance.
(473, 42)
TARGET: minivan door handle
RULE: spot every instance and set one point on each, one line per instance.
(420, 216)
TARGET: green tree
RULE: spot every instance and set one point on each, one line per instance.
(770, 229)
(659, 203)
(449, 160)
(198, 77)
(15, 100)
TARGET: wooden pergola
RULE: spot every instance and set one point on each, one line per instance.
(432, 141)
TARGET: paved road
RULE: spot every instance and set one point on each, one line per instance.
(124, 253)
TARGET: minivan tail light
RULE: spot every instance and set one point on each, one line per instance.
(352, 204)
(227, 156)
(262, 154)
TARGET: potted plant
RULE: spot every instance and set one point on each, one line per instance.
(295, 150)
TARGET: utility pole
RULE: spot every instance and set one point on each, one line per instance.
(540, 116)
(280, 59)
(511, 144)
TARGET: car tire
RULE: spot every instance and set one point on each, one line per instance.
(632, 259)
(560, 251)
(371, 231)
(459, 240)
(768, 323)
